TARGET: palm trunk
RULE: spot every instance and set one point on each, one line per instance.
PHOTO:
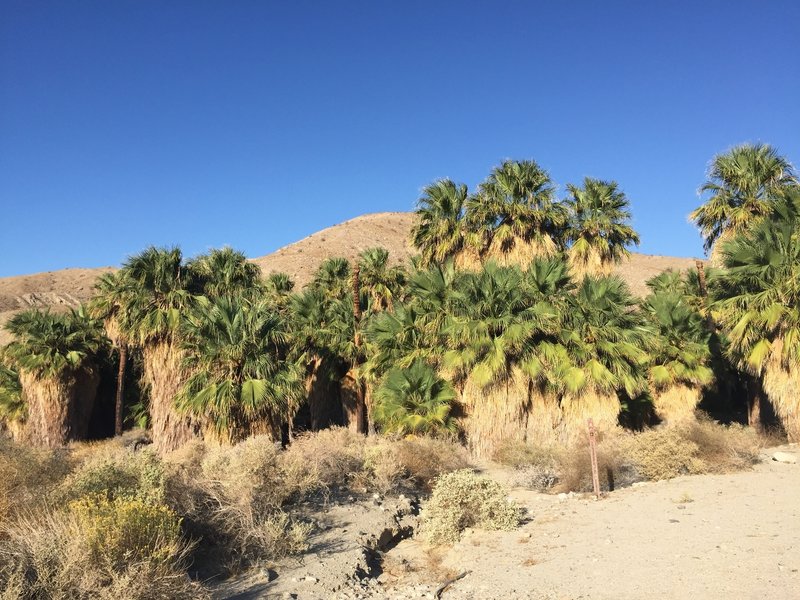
(755, 391)
(600, 406)
(164, 376)
(59, 408)
(123, 361)
(782, 385)
(676, 404)
(353, 409)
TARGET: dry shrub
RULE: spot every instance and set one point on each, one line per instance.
(28, 476)
(536, 467)
(231, 497)
(121, 530)
(724, 448)
(615, 467)
(408, 464)
(116, 472)
(45, 556)
(463, 499)
(324, 460)
(665, 453)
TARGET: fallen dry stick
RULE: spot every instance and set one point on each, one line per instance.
(448, 583)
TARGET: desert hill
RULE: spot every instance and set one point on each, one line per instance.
(70, 287)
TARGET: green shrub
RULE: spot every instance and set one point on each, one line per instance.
(117, 472)
(462, 499)
(124, 530)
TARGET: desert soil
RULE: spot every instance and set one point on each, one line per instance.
(70, 287)
(705, 537)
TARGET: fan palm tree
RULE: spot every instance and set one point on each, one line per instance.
(161, 286)
(55, 355)
(381, 282)
(743, 185)
(224, 272)
(681, 355)
(113, 296)
(514, 214)
(601, 353)
(241, 381)
(414, 400)
(495, 323)
(598, 228)
(438, 231)
(758, 304)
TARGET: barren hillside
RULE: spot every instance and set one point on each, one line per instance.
(69, 287)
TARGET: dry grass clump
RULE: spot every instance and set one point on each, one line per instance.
(725, 448)
(28, 476)
(536, 467)
(463, 499)
(411, 464)
(665, 453)
(47, 555)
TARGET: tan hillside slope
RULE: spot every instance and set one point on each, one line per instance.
(391, 230)
(70, 287)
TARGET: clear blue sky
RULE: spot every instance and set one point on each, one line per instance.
(254, 123)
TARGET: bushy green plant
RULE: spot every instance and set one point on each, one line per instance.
(463, 499)
(122, 530)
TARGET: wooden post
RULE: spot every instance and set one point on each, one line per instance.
(593, 454)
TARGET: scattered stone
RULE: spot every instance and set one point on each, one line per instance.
(785, 457)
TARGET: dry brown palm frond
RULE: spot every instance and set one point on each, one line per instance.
(164, 375)
(602, 407)
(676, 404)
(782, 385)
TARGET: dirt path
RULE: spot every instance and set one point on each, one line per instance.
(703, 537)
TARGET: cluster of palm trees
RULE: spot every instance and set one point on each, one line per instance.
(507, 326)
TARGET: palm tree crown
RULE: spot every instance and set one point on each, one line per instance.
(438, 230)
(598, 228)
(743, 185)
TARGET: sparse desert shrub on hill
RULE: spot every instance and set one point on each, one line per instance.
(463, 499)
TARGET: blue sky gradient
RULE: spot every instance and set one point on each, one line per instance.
(254, 124)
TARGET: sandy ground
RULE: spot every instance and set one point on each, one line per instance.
(702, 537)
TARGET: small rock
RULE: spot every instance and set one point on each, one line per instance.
(785, 457)
(310, 579)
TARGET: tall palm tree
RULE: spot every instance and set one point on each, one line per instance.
(113, 295)
(758, 304)
(224, 272)
(598, 228)
(743, 185)
(515, 215)
(381, 283)
(55, 355)
(496, 322)
(438, 231)
(152, 321)
(241, 381)
(414, 400)
(681, 355)
(601, 353)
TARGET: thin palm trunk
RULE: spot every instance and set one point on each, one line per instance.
(123, 361)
